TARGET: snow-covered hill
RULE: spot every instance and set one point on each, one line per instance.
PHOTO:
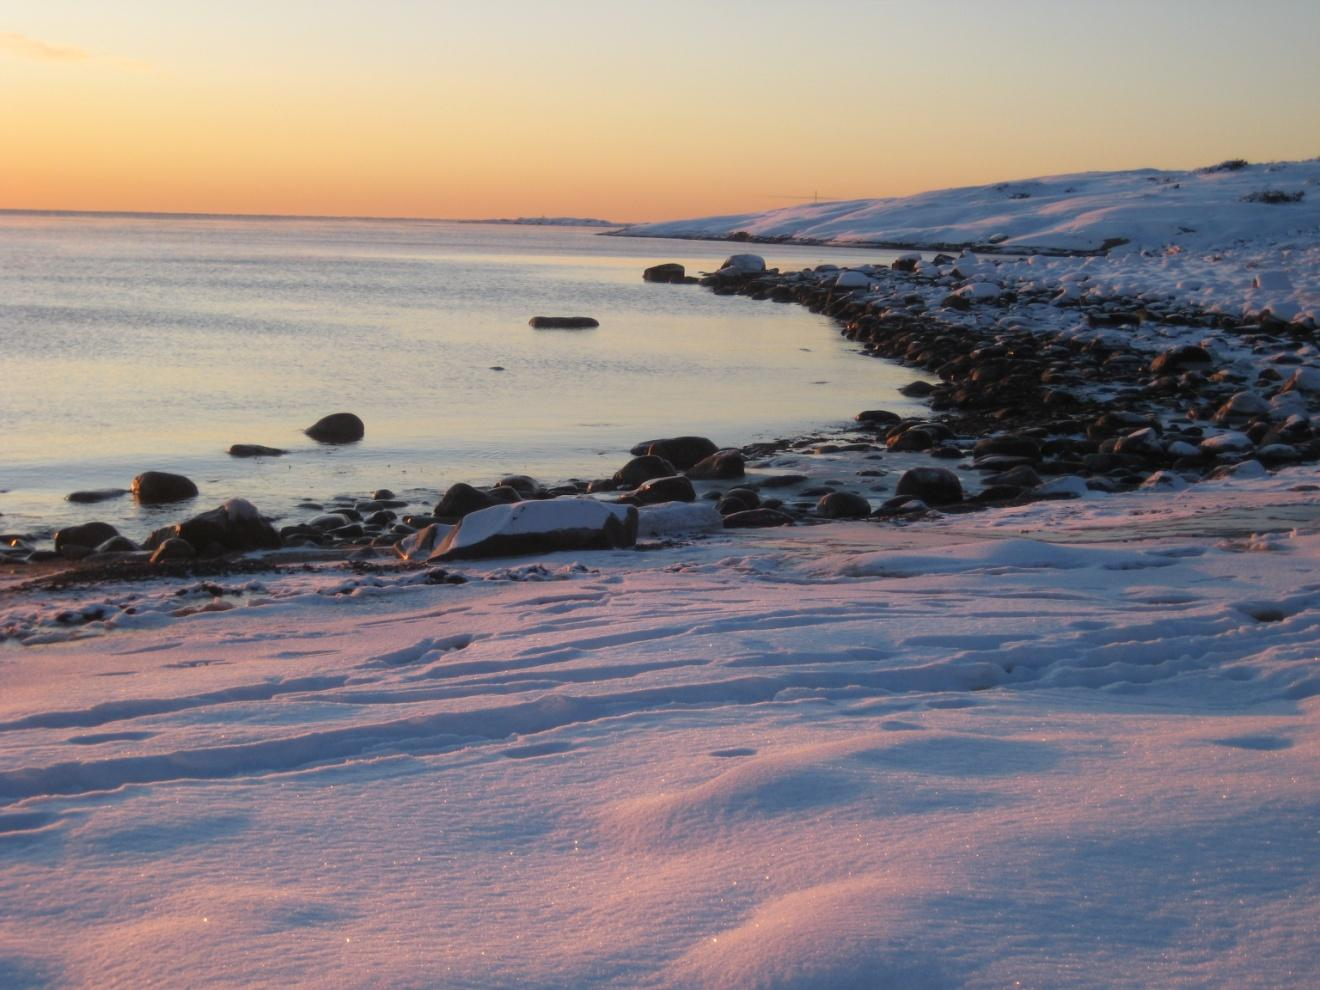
(1147, 209)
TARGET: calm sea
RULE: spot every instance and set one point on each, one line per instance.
(136, 343)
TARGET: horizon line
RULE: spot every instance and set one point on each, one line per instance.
(203, 215)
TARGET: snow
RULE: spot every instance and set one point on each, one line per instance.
(1191, 237)
(1066, 743)
(1070, 743)
(529, 519)
(1150, 208)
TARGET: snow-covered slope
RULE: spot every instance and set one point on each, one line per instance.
(1147, 208)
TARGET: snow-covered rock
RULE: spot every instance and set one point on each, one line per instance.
(540, 526)
(677, 518)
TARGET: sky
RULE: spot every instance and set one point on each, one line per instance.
(625, 110)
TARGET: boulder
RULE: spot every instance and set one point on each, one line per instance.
(233, 526)
(682, 452)
(173, 548)
(676, 518)
(757, 518)
(878, 417)
(562, 323)
(460, 500)
(118, 544)
(917, 389)
(723, 465)
(843, 505)
(906, 262)
(1009, 444)
(338, 427)
(96, 495)
(642, 469)
(673, 489)
(932, 485)
(420, 545)
(540, 527)
(254, 450)
(1242, 405)
(668, 272)
(1178, 359)
(159, 487)
(525, 486)
(743, 264)
(89, 535)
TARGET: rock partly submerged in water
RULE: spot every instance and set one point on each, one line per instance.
(160, 487)
(932, 485)
(682, 452)
(86, 537)
(539, 527)
(232, 526)
(95, 495)
(254, 450)
(340, 427)
(668, 272)
(562, 322)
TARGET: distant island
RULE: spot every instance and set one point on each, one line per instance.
(550, 221)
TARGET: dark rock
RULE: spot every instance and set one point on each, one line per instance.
(382, 494)
(97, 495)
(505, 495)
(998, 493)
(757, 518)
(159, 487)
(460, 500)
(668, 272)
(934, 486)
(562, 322)
(1182, 358)
(723, 465)
(174, 548)
(525, 486)
(88, 535)
(1021, 476)
(917, 390)
(782, 480)
(642, 469)
(118, 544)
(682, 452)
(672, 489)
(234, 526)
(878, 417)
(914, 438)
(843, 505)
(339, 427)
(1010, 444)
(254, 450)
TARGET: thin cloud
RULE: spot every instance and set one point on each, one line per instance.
(13, 43)
(21, 44)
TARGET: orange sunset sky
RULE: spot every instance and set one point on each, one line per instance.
(626, 110)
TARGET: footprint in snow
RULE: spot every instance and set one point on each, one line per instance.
(537, 749)
(1264, 743)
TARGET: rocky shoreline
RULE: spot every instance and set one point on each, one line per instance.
(1017, 414)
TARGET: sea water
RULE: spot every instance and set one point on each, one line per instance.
(133, 343)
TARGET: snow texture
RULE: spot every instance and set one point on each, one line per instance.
(1072, 743)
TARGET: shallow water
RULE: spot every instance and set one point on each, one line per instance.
(136, 343)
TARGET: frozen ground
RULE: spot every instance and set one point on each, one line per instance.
(1056, 745)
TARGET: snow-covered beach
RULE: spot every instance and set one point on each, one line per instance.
(955, 754)
(1069, 740)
